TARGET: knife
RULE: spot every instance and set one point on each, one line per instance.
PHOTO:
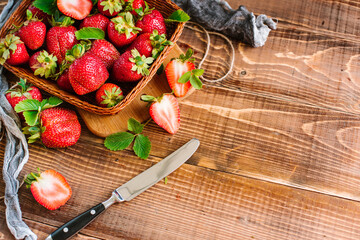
(129, 190)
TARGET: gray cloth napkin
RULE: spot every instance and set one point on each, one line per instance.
(16, 151)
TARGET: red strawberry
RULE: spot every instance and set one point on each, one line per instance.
(122, 30)
(181, 74)
(40, 14)
(62, 127)
(96, 21)
(108, 95)
(20, 92)
(77, 9)
(49, 188)
(131, 67)
(43, 64)
(87, 74)
(13, 51)
(151, 20)
(165, 111)
(110, 8)
(133, 5)
(33, 32)
(61, 38)
(64, 82)
(150, 44)
(105, 51)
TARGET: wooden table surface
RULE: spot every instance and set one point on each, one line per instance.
(280, 147)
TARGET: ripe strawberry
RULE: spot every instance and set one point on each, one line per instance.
(44, 64)
(13, 51)
(150, 44)
(131, 67)
(110, 8)
(61, 38)
(135, 6)
(49, 188)
(108, 95)
(62, 127)
(87, 73)
(105, 51)
(77, 9)
(165, 111)
(122, 30)
(40, 14)
(96, 21)
(64, 82)
(20, 92)
(151, 20)
(56, 127)
(32, 32)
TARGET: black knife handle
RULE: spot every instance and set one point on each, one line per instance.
(75, 225)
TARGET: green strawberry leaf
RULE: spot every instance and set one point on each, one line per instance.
(142, 146)
(178, 16)
(118, 141)
(198, 72)
(195, 82)
(89, 33)
(134, 126)
(51, 102)
(27, 105)
(31, 117)
(47, 6)
(185, 77)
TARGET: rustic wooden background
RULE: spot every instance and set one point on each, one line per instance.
(280, 148)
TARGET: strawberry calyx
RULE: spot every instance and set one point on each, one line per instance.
(124, 23)
(58, 20)
(142, 63)
(113, 5)
(6, 44)
(20, 89)
(150, 99)
(158, 42)
(187, 57)
(141, 12)
(32, 177)
(46, 64)
(113, 97)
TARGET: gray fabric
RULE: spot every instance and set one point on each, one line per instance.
(16, 151)
(238, 24)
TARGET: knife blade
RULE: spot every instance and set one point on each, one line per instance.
(129, 190)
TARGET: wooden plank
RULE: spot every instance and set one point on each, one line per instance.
(196, 203)
(313, 57)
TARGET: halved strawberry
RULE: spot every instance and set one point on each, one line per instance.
(49, 188)
(165, 111)
(181, 74)
(77, 9)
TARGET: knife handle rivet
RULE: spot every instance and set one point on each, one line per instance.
(92, 212)
(66, 230)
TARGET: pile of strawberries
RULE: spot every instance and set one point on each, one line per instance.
(83, 45)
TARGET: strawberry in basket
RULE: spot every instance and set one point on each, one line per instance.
(105, 51)
(96, 21)
(13, 51)
(44, 17)
(121, 29)
(150, 20)
(43, 64)
(135, 6)
(108, 95)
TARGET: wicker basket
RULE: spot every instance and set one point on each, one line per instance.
(174, 30)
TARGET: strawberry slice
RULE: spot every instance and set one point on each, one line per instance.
(49, 188)
(78, 9)
(165, 111)
(175, 69)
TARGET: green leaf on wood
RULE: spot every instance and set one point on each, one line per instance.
(195, 82)
(134, 126)
(142, 146)
(118, 141)
(178, 16)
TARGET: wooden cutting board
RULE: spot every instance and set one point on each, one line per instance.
(104, 125)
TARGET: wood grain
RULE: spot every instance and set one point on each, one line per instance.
(313, 57)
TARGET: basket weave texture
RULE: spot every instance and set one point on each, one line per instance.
(174, 30)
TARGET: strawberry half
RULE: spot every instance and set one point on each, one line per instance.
(77, 9)
(13, 51)
(108, 95)
(122, 30)
(165, 111)
(49, 188)
(43, 64)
